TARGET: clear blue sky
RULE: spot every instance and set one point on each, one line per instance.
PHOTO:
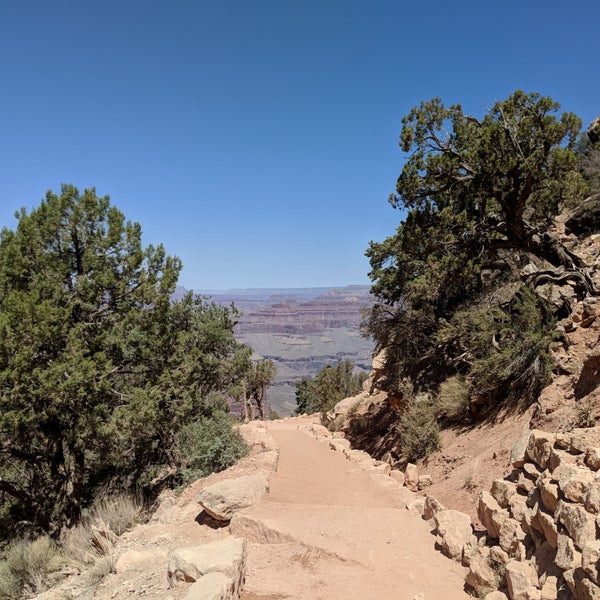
(258, 139)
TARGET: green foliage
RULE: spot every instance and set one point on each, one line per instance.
(479, 197)
(209, 445)
(419, 430)
(472, 188)
(259, 377)
(99, 371)
(452, 402)
(329, 386)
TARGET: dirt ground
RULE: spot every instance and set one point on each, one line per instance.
(341, 532)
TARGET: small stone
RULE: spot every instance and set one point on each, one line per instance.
(411, 475)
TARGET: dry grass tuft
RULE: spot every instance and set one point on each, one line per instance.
(27, 567)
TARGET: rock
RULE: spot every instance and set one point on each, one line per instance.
(539, 447)
(531, 471)
(491, 515)
(398, 476)
(227, 556)
(581, 586)
(543, 558)
(502, 491)
(573, 482)
(592, 458)
(411, 475)
(482, 574)
(520, 577)
(339, 444)
(548, 494)
(382, 467)
(498, 555)
(424, 481)
(214, 586)
(566, 555)
(454, 531)
(548, 527)
(584, 438)
(518, 450)
(510, 534)
(417, 505)
(550, 589)
(592, 498)
(497, 595)
(431, 507)
(224, 498)
(590, 560)
(578, 522)
(358, 456)
(518, 507)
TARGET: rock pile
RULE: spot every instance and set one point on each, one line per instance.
(541, 523)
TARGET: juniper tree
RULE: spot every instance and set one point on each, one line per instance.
(98, 369)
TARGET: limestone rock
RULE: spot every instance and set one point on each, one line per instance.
(573, 482)
(454, 530)
(510, 534)
(581, 586)
(592, 498)
(548, 527)
(539, 447)
(491, 515)
(227, 556)
(498, 555)
(520, 577)
(214, 586)
(518, 450)
(566, 556)
(579, 523)
(518, 507)
(550, 589)
(432, 507)
(502, 491)
(339, 444)
(398, 476)
(548, 494)
(592, 458)
(590, 560)
(481, 573)
(411, 475)
(417, 505)
(224, 498)
(584, 438)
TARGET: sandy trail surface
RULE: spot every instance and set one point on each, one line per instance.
(329, 529)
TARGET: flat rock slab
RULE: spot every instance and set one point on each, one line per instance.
(227, 556)
(223, 499)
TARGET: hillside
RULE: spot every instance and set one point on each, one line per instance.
(301, 330)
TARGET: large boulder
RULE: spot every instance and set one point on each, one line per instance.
(455, 532)
(224, 498)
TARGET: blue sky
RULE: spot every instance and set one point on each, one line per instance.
(258, 139)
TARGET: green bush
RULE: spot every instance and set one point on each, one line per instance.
(419, 430)
(452, 402)
(209, 445)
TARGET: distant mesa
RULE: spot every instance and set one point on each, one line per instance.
(301, 329)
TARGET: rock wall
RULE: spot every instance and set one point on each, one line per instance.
(541, 522)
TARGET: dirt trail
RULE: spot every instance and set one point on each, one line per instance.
(330, 530)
